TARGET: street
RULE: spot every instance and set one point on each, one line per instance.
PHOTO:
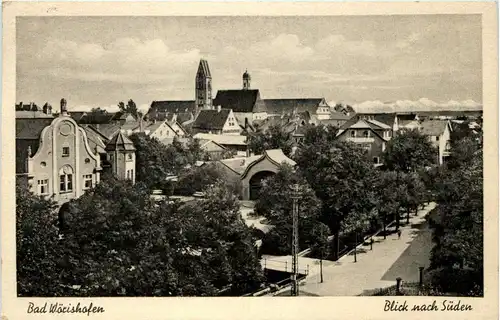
(377, 268)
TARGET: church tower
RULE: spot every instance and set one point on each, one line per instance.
(203, 87)
(246, 80)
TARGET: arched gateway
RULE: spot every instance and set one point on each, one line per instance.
(260, 169)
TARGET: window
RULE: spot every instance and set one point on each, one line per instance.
(366, 134)
(130, 157)
(437, 138)
(128, 174)
(87, 181)
(65, 151)
(132, 174)
(66, 179)
(353, 133)
(376, 160)
(43, 186)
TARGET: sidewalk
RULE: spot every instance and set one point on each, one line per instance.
(378, 268)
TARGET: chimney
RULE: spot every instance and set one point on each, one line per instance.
(64, 110)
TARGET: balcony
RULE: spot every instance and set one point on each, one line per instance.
(361, 139)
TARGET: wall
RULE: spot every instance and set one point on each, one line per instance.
(232, 125)
(46, 163)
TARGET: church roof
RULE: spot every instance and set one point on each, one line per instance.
(279, 106)
(240, 100)
(173, 106)
(203, 69)
(211, 119)
(120, 142)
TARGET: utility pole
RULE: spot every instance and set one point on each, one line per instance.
(295, 240)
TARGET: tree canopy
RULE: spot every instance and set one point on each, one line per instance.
(408, 151)
(457, 258)
(275, 204)
(273, 138)
(38, 252)
(130, 107)
(343, 178)
(119, 242)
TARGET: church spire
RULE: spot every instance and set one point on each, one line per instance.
(203, 87)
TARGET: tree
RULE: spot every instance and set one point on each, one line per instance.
(37, 247)
(197, 179)
(98, 111)
(120, 243)
(408, 151)
(130, 107)
(457, 257)
(273, 138)
(151, 158)
(275, 204)
(389, 192)
(342, 178)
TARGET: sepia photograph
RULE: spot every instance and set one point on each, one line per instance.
(233, 155)
(249, 156)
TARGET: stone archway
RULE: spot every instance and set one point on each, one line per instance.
(255, 183)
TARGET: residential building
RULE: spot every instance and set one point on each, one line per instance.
(438, 132)
(237, 143)
(57, 158)
(218, 121)
(316, 107)
(121, 155)
(370, 135)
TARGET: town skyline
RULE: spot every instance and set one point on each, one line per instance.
(415, 61)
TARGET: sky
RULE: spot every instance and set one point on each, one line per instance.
(375, 63)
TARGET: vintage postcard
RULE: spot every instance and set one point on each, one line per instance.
(249, 160)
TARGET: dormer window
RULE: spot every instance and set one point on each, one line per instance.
(353, 133)
(366, 134)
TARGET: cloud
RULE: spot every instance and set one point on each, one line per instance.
(128, 60)
(423, 104)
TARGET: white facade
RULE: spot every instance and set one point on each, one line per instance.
(64, 166)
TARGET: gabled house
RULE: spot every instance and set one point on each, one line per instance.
(406, 121)
(217, 121)
(60, 159)
(369, 135)
(438, 132)
(317, 107)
